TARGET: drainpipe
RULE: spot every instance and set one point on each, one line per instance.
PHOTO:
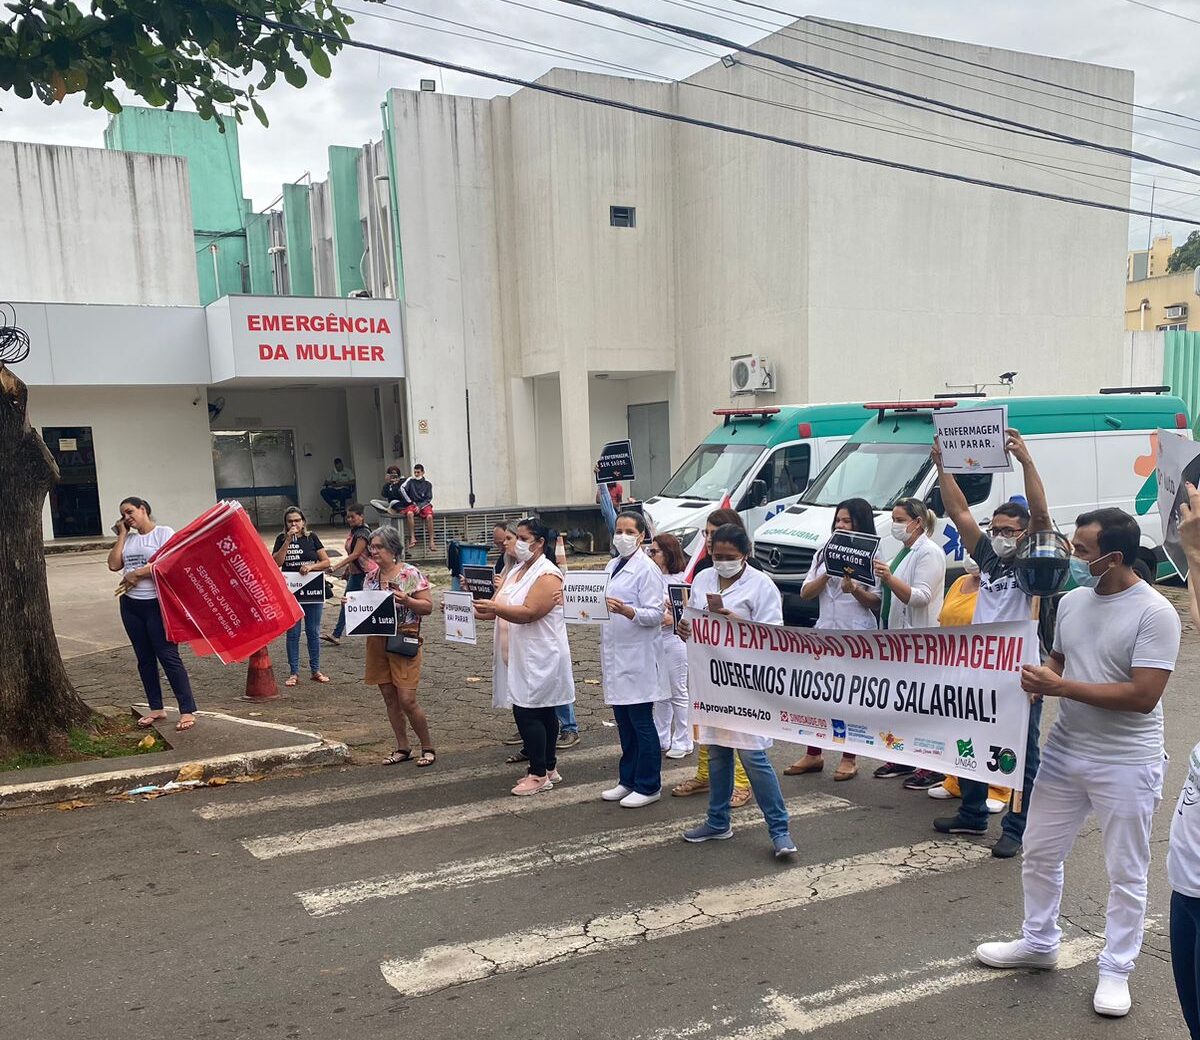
(213, 249)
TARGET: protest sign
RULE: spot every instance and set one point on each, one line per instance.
(972, 439)
(849, 554)
(479, 582)
(585, 597)
(459, 615)
(679, 595)
(307, 588)
(616, 463)
(1178, 465)
(371, 613)
(945, 699)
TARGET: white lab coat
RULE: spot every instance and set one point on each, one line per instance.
(753, 597)
(924, 568)
(631, 651)
(839, 610)
(538, 673)
(671, 714)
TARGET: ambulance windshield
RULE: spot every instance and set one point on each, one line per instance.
(881, 473)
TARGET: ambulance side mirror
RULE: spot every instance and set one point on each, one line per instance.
(756, 495)
(934, 503)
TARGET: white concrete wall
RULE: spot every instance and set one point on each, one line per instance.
(86, 225)
(1142, 357)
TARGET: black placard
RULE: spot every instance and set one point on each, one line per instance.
(616, 463)
(849, 554)
(307, 588)
(478, 581)
(679, 599)
(381, 619)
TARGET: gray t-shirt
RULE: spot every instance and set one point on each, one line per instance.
(1000, 598)
(1103, 638)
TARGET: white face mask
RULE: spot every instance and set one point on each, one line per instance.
(1004, 546)
(900, 532)
(728, 568)
(625, 544)
(969, 565)
(522, 551)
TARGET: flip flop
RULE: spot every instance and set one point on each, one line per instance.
(146, 721)
(185, 724)
(292, 680)
(320, 677)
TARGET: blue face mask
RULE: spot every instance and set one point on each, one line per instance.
(1081, 572)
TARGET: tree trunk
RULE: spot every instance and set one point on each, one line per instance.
(38, 704)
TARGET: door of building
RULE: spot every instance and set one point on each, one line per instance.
(650, 438)
(258, 468)
(75, 499)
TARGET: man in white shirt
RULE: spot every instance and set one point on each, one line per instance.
(1114, 650)
(338, 488)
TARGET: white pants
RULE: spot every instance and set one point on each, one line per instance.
(1124, 799)
(671, 716)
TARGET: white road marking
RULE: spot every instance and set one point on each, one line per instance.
(586, 848)
(376, 828)
(391, 785)
(440, 967)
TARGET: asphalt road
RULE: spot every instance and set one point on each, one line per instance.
(376, 901)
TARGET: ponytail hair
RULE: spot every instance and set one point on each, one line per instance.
(137, 503)
(918, 510)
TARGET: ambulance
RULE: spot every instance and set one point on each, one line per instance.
(1091, 451)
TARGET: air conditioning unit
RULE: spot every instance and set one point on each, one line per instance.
(751, 374)
(1177, 310)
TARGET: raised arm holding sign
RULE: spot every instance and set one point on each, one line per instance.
(973, 439)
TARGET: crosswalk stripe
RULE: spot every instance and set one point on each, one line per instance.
(392, 785)
(440, 967)
(586, 848)
(376, 828)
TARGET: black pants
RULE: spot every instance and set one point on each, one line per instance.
(539, 729)
(1185, 957)
(143, 623)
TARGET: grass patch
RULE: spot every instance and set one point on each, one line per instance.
(105, 738)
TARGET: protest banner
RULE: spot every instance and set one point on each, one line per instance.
(459, 616)
(945, 699)
(479, 582)
(849, 554)
(616, 463)
(307, 588)
(679, 596)
(972, 439)
(585, 597)
(1178, 465)
(371, 613)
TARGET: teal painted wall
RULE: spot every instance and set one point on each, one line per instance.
(1181, 367)
(347, 228)
(297, 226)
(258, 244)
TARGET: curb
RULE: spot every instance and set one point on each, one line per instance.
(316, 751)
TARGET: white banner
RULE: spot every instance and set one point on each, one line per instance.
(585, 597)
(945, 699)
(972, 439)
(1178, 464)
(371, 613)
(307, 588)
(459, 615)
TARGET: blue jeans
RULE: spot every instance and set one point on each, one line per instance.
(311, 622)
(1185, 957)
(973, 811)
(763, 781)
(143, 623)
(641, 757)
(566, 718)
(354, 583)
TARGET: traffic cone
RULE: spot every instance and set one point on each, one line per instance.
(260, 678)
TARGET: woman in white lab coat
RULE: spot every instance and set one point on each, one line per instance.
(631, 658)
(531, 659)
(749, 594)
(671, 714)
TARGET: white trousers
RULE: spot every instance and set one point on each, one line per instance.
(1124, 799)
(671, 716)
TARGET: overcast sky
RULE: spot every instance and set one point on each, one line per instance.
(345, 109)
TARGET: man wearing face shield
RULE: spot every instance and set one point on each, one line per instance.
(1000, 599)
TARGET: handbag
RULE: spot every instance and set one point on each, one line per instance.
(405, 644)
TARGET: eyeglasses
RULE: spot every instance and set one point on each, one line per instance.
(1005, 532)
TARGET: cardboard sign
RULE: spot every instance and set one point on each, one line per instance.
(679, 595)
(616, 463)
(479, 582)
(585, 596)
(849, 554)
(371, 613)
(460, 618)
(1178, 464)
(972, 440)
(307, 588)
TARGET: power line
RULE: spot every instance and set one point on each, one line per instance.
(1163, 10)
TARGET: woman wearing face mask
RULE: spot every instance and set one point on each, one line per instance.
(845, 605)
(913, 583)
(671, 713)
(631, 657)
(298, 549)
(749, 594)
(531, 659)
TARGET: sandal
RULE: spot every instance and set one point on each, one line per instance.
(516, 757)
(331, 640)
(185, 722)
(398, 756)
(320, 677)
(146, 721)
(292, 680)
(428, 757)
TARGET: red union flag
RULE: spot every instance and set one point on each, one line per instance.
(220, 590)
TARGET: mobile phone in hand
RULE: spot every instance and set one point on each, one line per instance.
(715, 602)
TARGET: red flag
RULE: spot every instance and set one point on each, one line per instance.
(702, 553)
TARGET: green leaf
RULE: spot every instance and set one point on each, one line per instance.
(111, 103)
(259, 114)
(295, 75)
(319, 61)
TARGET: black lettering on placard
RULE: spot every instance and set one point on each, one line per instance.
(679, 599)
(849, 554)
(379, 622)
(615, 463)
(479, 582)
(313, 590)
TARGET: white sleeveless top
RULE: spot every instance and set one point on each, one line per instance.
(538, 672)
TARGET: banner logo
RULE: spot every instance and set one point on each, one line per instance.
(839, 731)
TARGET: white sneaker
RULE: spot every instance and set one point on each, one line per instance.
(939, 792)
(994, 805)
(1015, 954)
(615, 794)
(633, 800)
(676, 752)
(1112, 997)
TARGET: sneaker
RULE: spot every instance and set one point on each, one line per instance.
(1015, 954)
(706, 833)
(923, 780)
(1006, 847)
(531, 784)
(567, 739)
(633, 800)
(994, 806)
(1112, 997)
(615, 794)
(953, 825)
(690, 787)
(678, 752)
(554, 776)
(740, 797)
(890, 769)
(514, 741)
(939, 792)
(784, 846)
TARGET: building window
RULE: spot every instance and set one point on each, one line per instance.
(1180, 326)
(622, 216)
